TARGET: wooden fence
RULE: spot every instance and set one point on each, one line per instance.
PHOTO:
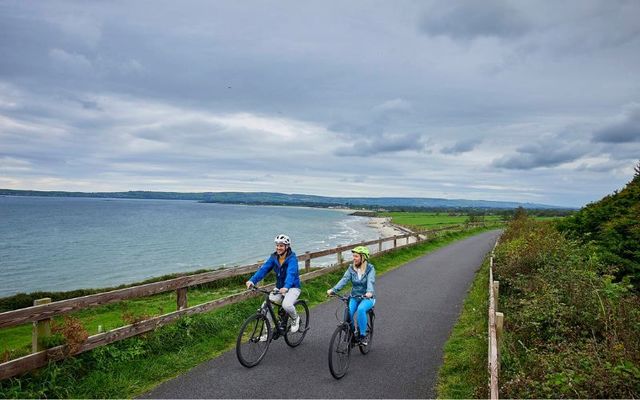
(43, 311)
(496, 320)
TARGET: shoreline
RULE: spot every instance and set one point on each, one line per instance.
(386, 228)
(377, 227)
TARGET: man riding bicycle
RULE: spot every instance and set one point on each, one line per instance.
(362, 276)
(284, 263)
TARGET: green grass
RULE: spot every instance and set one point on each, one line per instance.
(17, 340)
(131, 367)
(431, 220)
(463, 374)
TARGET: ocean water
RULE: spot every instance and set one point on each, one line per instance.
(58, 244)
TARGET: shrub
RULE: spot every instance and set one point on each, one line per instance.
(571, 328)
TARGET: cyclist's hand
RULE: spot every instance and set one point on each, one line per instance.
(283, 291)
(368, 295)
(249, 284)
(329, 292)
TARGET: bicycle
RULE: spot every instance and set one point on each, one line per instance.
(256, 333)
(344, 339)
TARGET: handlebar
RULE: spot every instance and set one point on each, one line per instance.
(255, 288)
(346, 298)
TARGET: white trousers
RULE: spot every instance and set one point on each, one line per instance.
(287, 301)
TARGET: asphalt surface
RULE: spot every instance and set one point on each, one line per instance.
(417, 306)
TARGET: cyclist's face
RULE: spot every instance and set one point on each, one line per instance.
(281, 248)
(357, 259)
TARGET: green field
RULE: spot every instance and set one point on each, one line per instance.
(433, 220)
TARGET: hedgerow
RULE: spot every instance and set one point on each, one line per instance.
(571, 329)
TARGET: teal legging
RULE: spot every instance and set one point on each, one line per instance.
(361, 306)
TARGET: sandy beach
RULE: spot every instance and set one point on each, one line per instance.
(385, 227)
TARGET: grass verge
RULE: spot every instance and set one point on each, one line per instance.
(463, 374)
(131, 367)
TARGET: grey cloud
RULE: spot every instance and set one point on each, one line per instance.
(77, 63)
(603, 167)
(383, 144)
(592, 32)
(86, 73)
(547, 153)
(462, 146)
(354, 179)
(395, 105)
(467, 20)
(625, 131)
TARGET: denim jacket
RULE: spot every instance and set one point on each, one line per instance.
(359, 286)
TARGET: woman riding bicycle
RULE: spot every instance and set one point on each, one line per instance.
(362, 276)
(284, 262)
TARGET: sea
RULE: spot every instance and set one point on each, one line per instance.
(65, 243)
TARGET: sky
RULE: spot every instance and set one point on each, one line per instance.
(528, 101)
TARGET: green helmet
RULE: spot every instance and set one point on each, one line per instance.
(362, 250)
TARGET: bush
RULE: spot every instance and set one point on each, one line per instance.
(613, 225)
(571, 329)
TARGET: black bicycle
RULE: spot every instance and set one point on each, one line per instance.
(344, 339)
(256, 333)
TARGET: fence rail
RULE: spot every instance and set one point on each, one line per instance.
(42, 314)
(495, 330)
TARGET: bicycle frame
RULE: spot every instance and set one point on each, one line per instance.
(344, 339)
(279, 321)
(346, 319)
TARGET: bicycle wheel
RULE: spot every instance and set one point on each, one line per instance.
(371, 316)
(294, 339)
(340, 351)
(249, 349)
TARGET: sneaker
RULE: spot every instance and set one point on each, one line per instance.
(295, 326)
(264, 337)
(363, 340)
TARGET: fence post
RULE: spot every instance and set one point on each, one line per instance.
(380, 244)
(496, 290)
(307, 262)
(499, 330)
(339, 255)
(182, 298)
(395, 241)
(41, 329)
(499, 326)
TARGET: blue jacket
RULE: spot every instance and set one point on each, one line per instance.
(359, 286)
(287, 274)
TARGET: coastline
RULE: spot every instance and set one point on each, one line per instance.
(386, 228)
(350, 232)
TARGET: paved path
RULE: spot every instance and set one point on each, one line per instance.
(417, 306)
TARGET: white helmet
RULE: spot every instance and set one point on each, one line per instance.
(284, 239)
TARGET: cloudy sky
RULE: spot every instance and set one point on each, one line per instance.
(535, 101)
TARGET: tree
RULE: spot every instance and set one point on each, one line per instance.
(613, 225)
(520, 213)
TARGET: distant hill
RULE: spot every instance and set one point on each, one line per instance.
(269, 198)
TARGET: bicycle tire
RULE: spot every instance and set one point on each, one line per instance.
(249, 349)
(371, 316)
(294, 339)
(340, 351)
